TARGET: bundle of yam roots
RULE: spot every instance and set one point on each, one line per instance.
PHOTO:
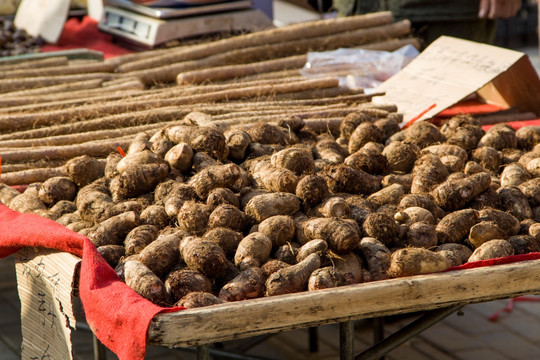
(197, 215)
(54, 109)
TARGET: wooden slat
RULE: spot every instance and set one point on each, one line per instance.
(395, 296)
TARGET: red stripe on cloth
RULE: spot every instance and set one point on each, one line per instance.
(118, 316)
(469, 107)
(497, 261)
(516, 124)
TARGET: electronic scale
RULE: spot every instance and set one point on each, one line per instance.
(150, 26)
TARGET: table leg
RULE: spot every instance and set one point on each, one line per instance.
(346, 340)
(313, 334)
(378, 330)
(203, 352)
(407, 332)
(100, 352)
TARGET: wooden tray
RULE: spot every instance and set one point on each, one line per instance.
(248, 318)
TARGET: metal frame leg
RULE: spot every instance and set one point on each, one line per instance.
(313, 334)
(378, 330)
(399, 337)
(100, 353)
(346, 340)
(203, 352)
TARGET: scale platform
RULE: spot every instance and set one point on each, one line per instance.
(153, 26)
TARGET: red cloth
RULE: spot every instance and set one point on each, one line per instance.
(517, 124)
(85, 34)
(118, 316)
(469, 107)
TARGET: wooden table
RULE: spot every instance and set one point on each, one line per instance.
(440, 294)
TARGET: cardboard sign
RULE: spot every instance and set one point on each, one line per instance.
(451, 69)
(45, 282)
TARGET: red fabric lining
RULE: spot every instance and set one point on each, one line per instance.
(469, 107)
(517, 124)
(85, 34)
(118, 315)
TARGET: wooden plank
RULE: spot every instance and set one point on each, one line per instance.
(394, 296)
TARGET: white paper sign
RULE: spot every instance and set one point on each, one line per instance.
(45, 282)
(447, 71)
(43, 18)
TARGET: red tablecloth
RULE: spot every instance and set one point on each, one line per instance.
(85, 34)
(118, 316)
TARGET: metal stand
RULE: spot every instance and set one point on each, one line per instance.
(378, 330)
(346, 340)
(399, 337)
(100, 353)
(203, 352)
(313, 334)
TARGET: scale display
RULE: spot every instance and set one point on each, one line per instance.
(149, 26)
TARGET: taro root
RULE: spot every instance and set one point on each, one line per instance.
(325, 278)
(198, 299)
(364, 133)
(492, 249)
(112, 253)
(220, 196)
(85, 169)
(298, 160)
(499, 136)
(161, 255)
(452, 195)
(424, 134)
(401, 156)
(454, 227)
(280, 229)
(57, 188)
(329, 151)
(179, 283)
(381, 227)
(237, 141)
(415, 261)
(341, 235)
(145, 282)
(457, 254)
(114, 230)
(138, 179)
(229, 216)
(317, 246)
(193, 217)
(226, 238)
(265, 133)
(263, 206)
(342, 178)
(138, 238)
(253, 250)
(351, 121)
(218, 176)
(378, 257)
(204, 256)
(180, 157)
(249, 284)
(293, 278)
(155, 215)
(312, 189)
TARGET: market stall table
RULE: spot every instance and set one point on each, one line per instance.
(446, 291)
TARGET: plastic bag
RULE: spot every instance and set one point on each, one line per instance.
(358, 68)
